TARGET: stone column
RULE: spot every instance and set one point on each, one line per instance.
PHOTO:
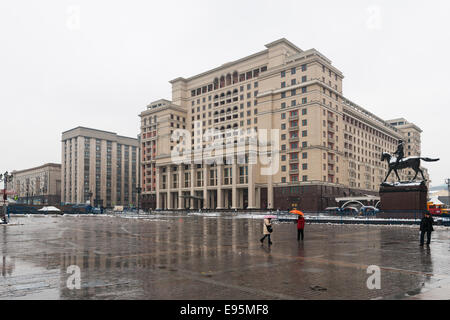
(180, 185)
(219, 186)
(192, 185)
(251, 187)
(234, 184)
(241, 198)
(258, 198)
(158, 196)
(270, 192)
(169, 187)
(205, 185)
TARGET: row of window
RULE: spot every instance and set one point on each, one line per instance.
(227, 80)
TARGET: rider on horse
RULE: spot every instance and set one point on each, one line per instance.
(399, 152)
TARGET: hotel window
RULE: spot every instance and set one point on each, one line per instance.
(293, 103)
(283, 95)
(303, 67)
(293, 81)
(305, 178)
(304, 89)
(293, 92)
(283, 74)
(255, 84)
(304, 155)
(304, 122)
(304, 133)
(304, 100)
(249, 86)
(283, 179)
(283, 105)
(283, 157)
(283, 168)
(303, 111)
(283, 116)
(283, 84)
(304, 166)
(304, 79)
(283, 126)
(293, 71)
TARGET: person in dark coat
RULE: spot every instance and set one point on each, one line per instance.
(426, 225)
(300, 227)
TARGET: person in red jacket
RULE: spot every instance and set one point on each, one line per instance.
(300, 227)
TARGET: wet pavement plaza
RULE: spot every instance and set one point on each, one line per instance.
(216, 257)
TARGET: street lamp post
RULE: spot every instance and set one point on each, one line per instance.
(6, 177)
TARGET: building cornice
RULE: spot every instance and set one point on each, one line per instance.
(49, 165)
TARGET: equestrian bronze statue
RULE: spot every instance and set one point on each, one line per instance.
(404, 163)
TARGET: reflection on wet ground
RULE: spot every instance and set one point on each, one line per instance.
(196, 257)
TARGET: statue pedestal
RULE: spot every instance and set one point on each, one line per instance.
(403, 200)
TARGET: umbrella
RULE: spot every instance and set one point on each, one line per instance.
(50, 208)
(296, 212)
(269, 217)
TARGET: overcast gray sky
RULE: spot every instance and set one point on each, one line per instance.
(99, 63)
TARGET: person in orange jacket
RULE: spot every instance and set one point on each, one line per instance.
(300, 227)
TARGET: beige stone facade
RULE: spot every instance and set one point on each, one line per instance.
(325, 140)
(39, 185)
(99, 162)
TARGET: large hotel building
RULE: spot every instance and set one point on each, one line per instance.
(328, 145)
(100, 167)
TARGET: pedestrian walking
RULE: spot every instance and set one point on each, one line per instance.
(300, 227)
(426, 226)
(267, 230)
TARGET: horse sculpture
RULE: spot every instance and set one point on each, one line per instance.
(410, 162)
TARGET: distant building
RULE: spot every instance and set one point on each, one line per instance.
(39, 185)
(99, 167)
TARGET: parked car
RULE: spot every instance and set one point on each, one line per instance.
(368, 211)
(332, 210)
(350, 211)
